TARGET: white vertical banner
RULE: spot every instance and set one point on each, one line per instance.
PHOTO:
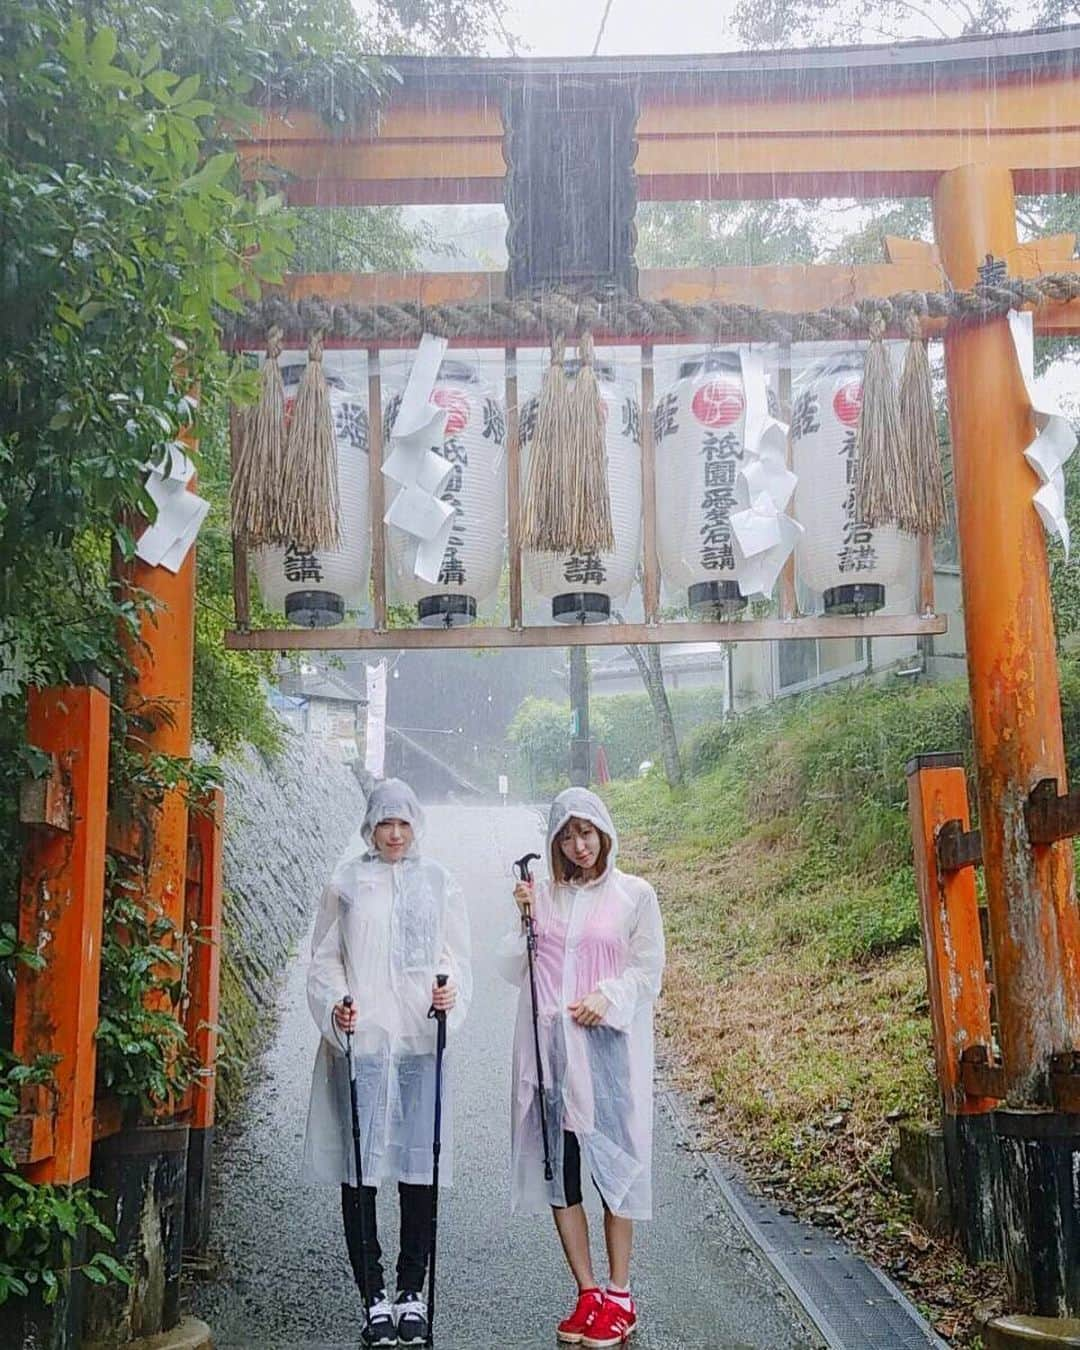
(375, 736)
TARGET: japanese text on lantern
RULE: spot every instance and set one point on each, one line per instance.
(585, 570)
(857, 552)
(452, 572)
(351, 424)
(720, 456)
(300, 566)
(631, 419)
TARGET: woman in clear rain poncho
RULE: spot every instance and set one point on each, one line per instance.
(599, 959)
(389, 921)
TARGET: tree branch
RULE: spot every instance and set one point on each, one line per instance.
(912, 8)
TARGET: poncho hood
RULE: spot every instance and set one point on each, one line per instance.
(392, 799)
(585, 805)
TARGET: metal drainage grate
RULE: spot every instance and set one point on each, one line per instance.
(852, 1304)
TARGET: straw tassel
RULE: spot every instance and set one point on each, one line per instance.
(547, 516)
(884, 492)
(310, 481)
(259, 457)
(919, 425)
(589, 495)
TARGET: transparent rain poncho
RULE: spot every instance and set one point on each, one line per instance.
(602, 935)
(382, 933)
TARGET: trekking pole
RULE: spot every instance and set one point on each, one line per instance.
(436, 1148)
(358, 1153)
(522, 869)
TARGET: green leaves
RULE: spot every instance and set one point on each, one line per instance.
(128, 230)
(102, 1267)
(211, 175)
(38, 1224)
(12, 948)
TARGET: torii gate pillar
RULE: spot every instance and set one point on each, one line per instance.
(1016, 715)
(1012, 664)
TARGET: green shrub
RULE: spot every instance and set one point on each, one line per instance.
(623, 724)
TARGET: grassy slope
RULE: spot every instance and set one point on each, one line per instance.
(795, 1000)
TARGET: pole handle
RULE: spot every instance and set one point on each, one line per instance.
(522, 868)
(524, 873)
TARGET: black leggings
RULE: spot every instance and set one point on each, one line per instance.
(415, 1236)
(572, 1172)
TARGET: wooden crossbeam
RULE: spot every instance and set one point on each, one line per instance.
(584, 635)
(705, 137)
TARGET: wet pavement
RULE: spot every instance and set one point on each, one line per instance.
(284, 1279)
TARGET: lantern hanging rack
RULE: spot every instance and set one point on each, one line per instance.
(589, 635)
(789, 624)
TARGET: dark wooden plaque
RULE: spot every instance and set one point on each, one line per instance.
(571, 190)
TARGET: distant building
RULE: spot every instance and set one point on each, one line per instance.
(323, 703)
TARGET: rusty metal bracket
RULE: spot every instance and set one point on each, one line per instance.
(1051, 817)
(957, 847)
(46, 802)
(1065, 1082)
(980, 1076)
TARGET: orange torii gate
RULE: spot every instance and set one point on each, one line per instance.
(967, 123)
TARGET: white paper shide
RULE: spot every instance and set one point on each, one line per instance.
(180, 512)
(1055, 439)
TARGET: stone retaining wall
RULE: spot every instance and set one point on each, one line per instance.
(286, 822)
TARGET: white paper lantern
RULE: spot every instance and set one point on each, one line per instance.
(475, 443)
(851, 564)
(585, 589)
(698, 429)
(316, 589)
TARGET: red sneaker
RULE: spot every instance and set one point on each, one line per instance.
(612, 1325)
(572, 1328)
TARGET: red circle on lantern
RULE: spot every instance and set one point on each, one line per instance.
(718, 403)
(457, 407)
(847, 402)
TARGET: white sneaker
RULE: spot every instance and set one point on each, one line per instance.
(379, 1329)
(411, 1312)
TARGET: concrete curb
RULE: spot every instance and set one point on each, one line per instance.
(1018, 1332)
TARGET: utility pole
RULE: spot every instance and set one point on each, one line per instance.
(580, 747)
